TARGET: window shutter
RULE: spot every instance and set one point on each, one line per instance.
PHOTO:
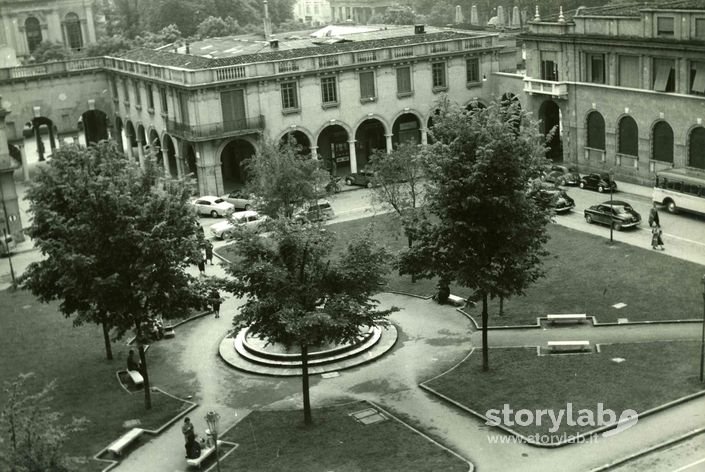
(629, 71)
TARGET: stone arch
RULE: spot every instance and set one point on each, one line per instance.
(627, 136)
(41, 137)
(334, 148)
(154, 147)
(370, 135)
(233, 157)
(595, 129)
(95, 126)
(474, 104)
(33, 33)
(131, 140)
(696, 147)
(406, 129)
(302, 141)
(662, 142)
(168, 147)
(141, 135)
(72, 27)
(550, 120)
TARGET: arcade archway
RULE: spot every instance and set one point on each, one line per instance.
(40, 138)
(550, 116)
(119, 134)
(172, 167)
(301, 140)
(95, 126)
(131, 140)
(406, 129)
(368, 138)
(233, 163)
(334, 149)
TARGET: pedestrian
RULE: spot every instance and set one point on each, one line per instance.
(132, 362)
(193, 448)
(215, 302)
(201, 265)
(187, 430)
(209, 252)
(656, 239)
(653, 216)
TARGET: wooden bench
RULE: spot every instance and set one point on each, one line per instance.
(579, 317)
(136, 377)
(205, 453)
(555, 346)
(456, 300)
(125, 440)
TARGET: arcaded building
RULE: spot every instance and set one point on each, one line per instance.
(625, 84)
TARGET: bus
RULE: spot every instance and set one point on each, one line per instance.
(677, 190)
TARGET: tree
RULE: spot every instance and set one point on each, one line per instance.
(108, 45)
(31, 434)
(489, 225)
(47, 51)
(282, 178)
(298, 296)
(215, 27)
(402, 15)
(116, 245)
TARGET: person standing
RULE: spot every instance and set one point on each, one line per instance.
(201, 265)
(209, 252)
(187, 430)
(653, 216)
(132, 362)
(215, 302)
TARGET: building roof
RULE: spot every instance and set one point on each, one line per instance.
(628, 8)
(237, 50)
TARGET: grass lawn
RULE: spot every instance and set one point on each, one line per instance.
(584, 274)
(277, 441)
(37, 338)
(651, 375)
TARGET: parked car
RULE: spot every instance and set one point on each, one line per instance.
(562, 202)
(598, 181)
(239, 199)
(7, 244)
(562, 175)
(362, 178)
(213, 206)
(315, 211)
(617, 213)
(245, 219)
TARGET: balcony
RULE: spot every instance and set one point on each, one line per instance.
(208, 131)
(546, 87)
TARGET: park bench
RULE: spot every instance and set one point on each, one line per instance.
(169, 332)
(205, 453)
(136, 377)
(125, 440)
(579, 317)
(556, 346)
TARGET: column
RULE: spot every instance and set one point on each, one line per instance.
(25, 166)
(91, 26)
(314, 152)
(127, 139)
(424, 136)
(353, 158)
(390, 146)
(140, 151)
(8, 193)
(165, 162)
(179, 162)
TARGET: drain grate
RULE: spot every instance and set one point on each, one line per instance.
(368, 416)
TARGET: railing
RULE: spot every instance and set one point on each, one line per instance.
(50, 68)
(367, 56)
(230, 73)
(201, 132)
(288, 66)
(546, 87)
(439, 47)
(328, 61)
(407, 51)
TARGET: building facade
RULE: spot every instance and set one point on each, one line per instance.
(24, 24)
(624, 84)
(312, 12)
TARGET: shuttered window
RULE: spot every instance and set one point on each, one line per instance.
(404, 80)
(290, 99)
(628, 136)
(596, 68)
(665, 26)
(367, 85)
(697, 78)
(696, 148)
(232, 105)
(329, 92)
(596, 131)
(163, 100)
(662, 142)
(438, 72)
(549, 66)
(629, 71)
(664, 73)
(472, 70)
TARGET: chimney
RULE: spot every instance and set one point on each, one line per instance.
(419, 29)
(267, 24)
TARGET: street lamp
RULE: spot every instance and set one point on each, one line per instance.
(702, 337)
(212, 420)
(611, 210)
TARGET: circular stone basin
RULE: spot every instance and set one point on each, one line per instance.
(275, 351)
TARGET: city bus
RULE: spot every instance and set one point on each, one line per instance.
(677, 190)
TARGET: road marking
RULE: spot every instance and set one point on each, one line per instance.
(686, 467)
(684, 239)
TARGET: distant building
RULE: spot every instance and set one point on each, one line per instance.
(25, 24)
(312, 12)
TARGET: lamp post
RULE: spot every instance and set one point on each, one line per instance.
(611, 210)
(212, 420)
(702, 337)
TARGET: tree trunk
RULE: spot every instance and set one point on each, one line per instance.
(485, 347)
(501, 306)
(411, 243)
(106, 339)
(304, 383)
(145, 376)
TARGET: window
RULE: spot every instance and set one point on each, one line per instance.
(664, 26)
(138, 95)
(662, 142)
(664, 73)
(163, 100)
(700, 28)
(114, 87)
(696, 148)
(232, 106)
(150, 96)
(697, 78)
(125, 91)
(290, 99)
(628, 137)
(629, 71)
(73, 31)
(404, 81)
(438, 75)
(596, 68)
(549, 66)
(329, 91)
(596, 131)
(183, 107)
(367, 86)
(33, 30)
(472, 70)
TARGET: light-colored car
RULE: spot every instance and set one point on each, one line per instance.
(319, 210)
(213, 206)
(244, 219)
(239, 199)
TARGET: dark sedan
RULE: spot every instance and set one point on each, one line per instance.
(562, 203)
(562, 175)
(617, 213)
(598, 181)
(363, 178)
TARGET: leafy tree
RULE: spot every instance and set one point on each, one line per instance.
(216, 27)
(31, 434)
(489, 226)
(124, 17)
(282, 178)
(298, 296)
(108, 45)
(403, 15)
(116, 246)
(185, 14)
(47, 51)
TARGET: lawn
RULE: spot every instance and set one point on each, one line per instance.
(651, 375)
(277, 441)
(584, 274)
(37, 338)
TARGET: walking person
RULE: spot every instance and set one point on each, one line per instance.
(656, 239)
(653, 216)
(215, 302)
(209, 252)
(201, 265)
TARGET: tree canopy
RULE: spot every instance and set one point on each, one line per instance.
(489, 225)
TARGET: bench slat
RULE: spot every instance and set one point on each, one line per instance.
(136, 377)
(123, 441)
(568, 343)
